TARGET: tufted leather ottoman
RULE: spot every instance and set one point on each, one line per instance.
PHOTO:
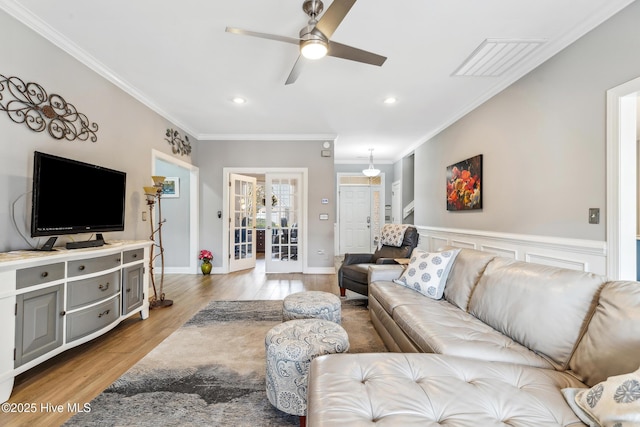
(290, 347)
(419, 389)
(311, 305)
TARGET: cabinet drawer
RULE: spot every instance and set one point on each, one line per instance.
(84, 322)
(86, 291)
(132, 256)
(26, 277)
(92, 265)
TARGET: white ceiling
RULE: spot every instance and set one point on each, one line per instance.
(176, 57)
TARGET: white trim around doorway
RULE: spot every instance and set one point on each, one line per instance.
(194, 209)
(621, 181)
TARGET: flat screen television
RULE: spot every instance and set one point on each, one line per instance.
(71, 197)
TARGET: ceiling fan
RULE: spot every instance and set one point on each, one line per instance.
(314, 41)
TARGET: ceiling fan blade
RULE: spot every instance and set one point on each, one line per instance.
(333, 16)
(295, 71)
(263, 35)
(339, 50)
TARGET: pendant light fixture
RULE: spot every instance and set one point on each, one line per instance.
(371, 171)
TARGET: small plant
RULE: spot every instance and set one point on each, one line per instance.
(205, 255)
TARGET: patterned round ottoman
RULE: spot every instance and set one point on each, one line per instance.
(290, 348)
(311, 305)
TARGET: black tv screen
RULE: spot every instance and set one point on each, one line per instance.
(72, 197)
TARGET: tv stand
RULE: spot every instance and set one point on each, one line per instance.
(53, 301)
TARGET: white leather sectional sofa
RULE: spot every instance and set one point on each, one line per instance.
(497, 349)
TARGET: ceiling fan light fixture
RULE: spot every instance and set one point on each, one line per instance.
(313, 49)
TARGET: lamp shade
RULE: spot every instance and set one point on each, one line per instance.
(157, 180)
(150, 190)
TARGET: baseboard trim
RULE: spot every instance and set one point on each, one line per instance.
(320, 270)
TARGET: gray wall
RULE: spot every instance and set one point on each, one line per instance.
(543, 141)
(127, 133)
(216, 155)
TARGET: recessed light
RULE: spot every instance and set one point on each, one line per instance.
(390, 100)
(239, 100)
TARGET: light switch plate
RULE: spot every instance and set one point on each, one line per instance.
(594, 215)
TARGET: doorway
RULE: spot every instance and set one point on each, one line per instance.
(622, 209)
(361, 212)
(396, 202)
(278, 226)
(181, 213)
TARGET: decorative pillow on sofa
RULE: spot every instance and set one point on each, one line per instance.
(392, 235)
(614, 402)
(427, 272)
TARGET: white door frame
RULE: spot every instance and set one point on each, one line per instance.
(396, 202)
(303, 232)
(194, 208)
(621, 181)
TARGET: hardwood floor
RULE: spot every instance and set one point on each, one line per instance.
(80, 374)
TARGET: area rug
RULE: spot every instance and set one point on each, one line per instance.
(211, 371)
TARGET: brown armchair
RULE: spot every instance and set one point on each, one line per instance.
(354, 272)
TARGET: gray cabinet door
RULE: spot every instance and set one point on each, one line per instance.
(132, 288)
(38, 323)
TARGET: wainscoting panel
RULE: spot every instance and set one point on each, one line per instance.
(575, 254)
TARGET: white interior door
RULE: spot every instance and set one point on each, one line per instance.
(242, 220)
(355, 219)
(396, 202)
(283, 232)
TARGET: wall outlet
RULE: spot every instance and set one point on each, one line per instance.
(594, 215)
(144, 216)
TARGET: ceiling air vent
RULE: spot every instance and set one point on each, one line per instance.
(495, 56)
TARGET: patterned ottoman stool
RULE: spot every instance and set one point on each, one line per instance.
(311, 305)
(290, 347)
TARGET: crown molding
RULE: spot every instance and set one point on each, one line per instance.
(267, 137)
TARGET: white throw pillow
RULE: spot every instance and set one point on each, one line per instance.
(614, 402)
(427, 272)
(392, 235)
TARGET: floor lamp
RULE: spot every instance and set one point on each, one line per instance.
(154, 197)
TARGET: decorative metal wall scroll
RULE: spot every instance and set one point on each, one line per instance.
(29, 103)
(178, 145)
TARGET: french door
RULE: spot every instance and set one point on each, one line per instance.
(283, 222)
(242, 217)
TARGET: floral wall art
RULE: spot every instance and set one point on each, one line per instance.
(464, 184)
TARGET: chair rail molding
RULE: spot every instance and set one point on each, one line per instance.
(574, 254)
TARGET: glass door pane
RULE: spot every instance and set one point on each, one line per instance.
(283, 235)
(242, 198)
